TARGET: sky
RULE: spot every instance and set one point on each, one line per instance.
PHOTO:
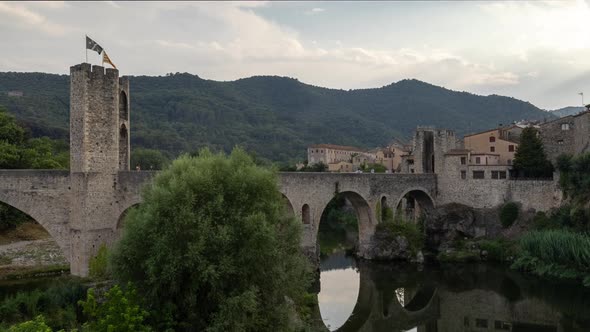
(537, 51)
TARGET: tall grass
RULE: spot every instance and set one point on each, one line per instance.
(556, 253)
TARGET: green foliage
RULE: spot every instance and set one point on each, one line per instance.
(530, 159)
(508, 214)
(542, 222)
(377, 168)
(210, 248)
(409, 230)
(148, 159)
(98, 265)
(574, 177)
(278, 117)
(317, 167)
(555, 253)
(57, 304)
(118, 312)
(18, 151)
(499, 250)
(36, 325)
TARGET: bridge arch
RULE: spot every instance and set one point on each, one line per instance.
(363, 212)
(58, 234)
(288, 206)
(419, 196)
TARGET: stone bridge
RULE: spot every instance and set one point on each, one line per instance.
(81, 211)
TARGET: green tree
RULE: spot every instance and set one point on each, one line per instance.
(118, 312)
(530, 159)
(211, 247)
(148, 159)
(35, 325)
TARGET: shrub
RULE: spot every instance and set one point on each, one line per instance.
(36, 325)
(98, 265)
(498, 250)
(409, 230)
(508, 214)
(210, 248)
(541, 221)
(118, 312)
(555, 253)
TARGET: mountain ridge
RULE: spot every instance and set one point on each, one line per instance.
(274, 116)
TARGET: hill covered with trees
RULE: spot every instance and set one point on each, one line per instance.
(274, 117)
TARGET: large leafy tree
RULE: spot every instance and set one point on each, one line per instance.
(530, 159)
(211, 248)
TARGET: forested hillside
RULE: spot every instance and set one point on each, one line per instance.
(275, 117)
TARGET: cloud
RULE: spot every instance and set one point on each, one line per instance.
(25, 18)
(229, 40)
(315, 11)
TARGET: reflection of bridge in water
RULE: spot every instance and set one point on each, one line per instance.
(470, 298)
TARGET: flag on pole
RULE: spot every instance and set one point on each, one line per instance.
(581, 93)
(105, 58)
(92, 45)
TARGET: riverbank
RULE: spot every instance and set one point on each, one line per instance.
(28, 251)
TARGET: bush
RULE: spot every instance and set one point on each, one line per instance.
(555, 253)
(409, 230)
(118, 312)
(508, 214)
(210, 248)
(98, 265)
(498, 250)
(36, 325)
(542, 222)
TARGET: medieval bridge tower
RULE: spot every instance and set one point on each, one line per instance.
(99, 150)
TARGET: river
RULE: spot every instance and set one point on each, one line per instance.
(368, 296)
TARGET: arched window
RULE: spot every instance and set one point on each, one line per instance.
(123, 110)
(305, 214)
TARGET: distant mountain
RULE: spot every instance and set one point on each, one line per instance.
(276, 117)
(565, 111)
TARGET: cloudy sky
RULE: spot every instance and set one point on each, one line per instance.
(537, 51)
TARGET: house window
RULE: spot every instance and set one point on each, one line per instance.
(492, 139)
(510, 148)
(502, 174)
(495, 175)
(565, 126)
(478, 174)
(477, 160)
(509, 161)
(492, 149)
(463, 160)
(412, 170)
(463, 175)
(500, 325)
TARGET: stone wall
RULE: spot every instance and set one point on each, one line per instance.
(487, 193)
(569, 135)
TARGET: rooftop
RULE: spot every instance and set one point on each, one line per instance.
(335, 147)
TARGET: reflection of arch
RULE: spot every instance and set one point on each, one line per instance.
(123, 108)
(378, 309)
(305, 214)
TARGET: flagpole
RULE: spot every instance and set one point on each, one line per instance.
(86, 48)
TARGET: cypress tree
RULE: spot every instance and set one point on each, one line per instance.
(530, 159)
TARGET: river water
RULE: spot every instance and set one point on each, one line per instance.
(367, 296)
